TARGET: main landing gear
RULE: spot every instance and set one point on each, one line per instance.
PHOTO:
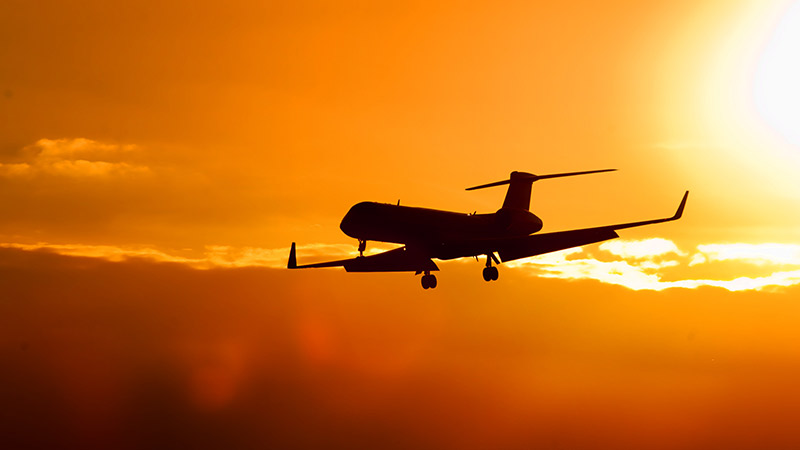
(428, 280)
(490, 272)
(362, 245)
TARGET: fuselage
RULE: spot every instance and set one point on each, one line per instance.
(370, 221)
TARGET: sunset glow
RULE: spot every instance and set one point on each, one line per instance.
(158, 160)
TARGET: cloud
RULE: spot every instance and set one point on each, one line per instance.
(212, 256)
(637, 277)
(647, 248)
(90, 191)
(76, 148)
(759, 254)
(106, 252)
(74, 158)
(635, 264)
(634, 274)
(138, 355)
(15, 169)
(639, 265)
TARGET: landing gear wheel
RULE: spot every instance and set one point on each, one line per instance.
(429, 281)
(490, 272)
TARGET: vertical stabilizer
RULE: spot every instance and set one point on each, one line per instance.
(518, 195)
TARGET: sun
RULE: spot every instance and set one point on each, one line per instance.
(776, 83)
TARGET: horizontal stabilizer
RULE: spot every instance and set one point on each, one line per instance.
(524, 176)
(496, 183)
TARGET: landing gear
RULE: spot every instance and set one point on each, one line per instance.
(362, 245)
(428, 281)
(490, 273)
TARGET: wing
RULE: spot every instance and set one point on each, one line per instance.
(537, 244)
(397, 260)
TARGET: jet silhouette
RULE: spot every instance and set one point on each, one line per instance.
(428, 234)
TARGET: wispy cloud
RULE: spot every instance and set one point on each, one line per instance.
(637, 265)
(210, 257)
(643, 249)
(108, 252)
(759, 254)
(74, 158)
(640, 264)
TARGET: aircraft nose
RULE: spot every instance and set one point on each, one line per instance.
(347, 224)
(350, 222)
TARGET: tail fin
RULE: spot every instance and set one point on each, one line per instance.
(518, 195)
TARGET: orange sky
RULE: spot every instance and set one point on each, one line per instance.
(212, 135)
(257, 122)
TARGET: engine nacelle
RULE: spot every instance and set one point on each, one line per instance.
(517, 222)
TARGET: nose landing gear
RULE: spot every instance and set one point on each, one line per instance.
(490, 273)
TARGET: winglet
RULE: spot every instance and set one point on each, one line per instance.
(679, 212)
(292, 258)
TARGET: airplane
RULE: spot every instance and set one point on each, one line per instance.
(428, 234)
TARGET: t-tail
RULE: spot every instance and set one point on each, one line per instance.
(518, 195)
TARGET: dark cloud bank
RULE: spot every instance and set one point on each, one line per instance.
(143, 355)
